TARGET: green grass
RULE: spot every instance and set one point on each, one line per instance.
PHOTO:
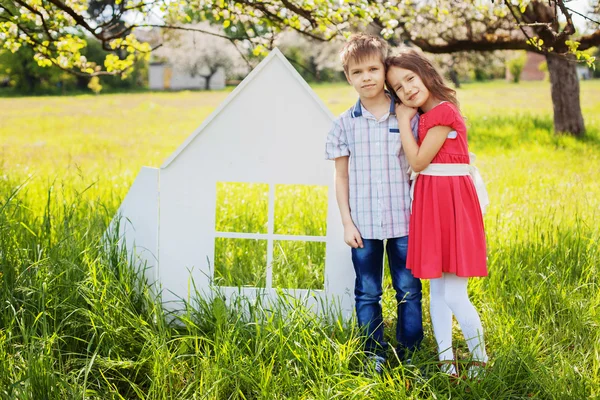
(77, 322)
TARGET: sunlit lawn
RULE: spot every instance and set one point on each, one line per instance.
(75, 320)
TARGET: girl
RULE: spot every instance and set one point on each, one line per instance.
(447, 239)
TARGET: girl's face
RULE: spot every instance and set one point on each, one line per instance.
(408, 86)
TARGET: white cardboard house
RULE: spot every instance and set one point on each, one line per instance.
(270, 130)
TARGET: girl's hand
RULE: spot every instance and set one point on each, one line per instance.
(352, 236)
(404, 112)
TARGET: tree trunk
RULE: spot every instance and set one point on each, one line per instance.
(454, 78)
(207, 78)
(565, 96)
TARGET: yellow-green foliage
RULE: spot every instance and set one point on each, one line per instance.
(515, 66)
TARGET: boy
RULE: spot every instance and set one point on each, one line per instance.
(372, 191)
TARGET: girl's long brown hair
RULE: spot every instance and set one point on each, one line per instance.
(433, 81)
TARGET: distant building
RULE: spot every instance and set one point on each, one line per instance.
(164, 76)
(531, 70)
(172, 62)
(583, 72)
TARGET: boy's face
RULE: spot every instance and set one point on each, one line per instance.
(367, 77)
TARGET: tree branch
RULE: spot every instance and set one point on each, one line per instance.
(39, 14)
(570, 28)
(584, 16)
(275, 17)
(468, 45)
(306, 14)
(590, 40)
(510, 8)
(78, 18)
(181, 28)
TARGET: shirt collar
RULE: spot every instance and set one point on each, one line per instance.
(357, 110)
(392, 103)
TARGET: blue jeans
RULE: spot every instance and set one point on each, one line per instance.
(368, 266)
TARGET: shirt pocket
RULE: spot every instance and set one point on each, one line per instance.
(394, 143)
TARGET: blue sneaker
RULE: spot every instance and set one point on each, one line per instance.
(375, 364)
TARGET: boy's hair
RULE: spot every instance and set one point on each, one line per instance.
(360, 47)
(411, 60)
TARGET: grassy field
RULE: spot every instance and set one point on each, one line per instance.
(77, 322)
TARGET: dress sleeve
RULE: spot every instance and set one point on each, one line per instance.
(337, 142)
(444, 114)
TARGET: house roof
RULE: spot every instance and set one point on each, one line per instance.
(275, 54)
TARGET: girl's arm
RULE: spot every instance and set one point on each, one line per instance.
(419, 157)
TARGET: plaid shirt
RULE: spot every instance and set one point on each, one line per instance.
(378, 182)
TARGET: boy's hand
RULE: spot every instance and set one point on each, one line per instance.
(405, 113)
(352, 236)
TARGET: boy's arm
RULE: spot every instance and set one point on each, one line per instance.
(414, 125)
(342, 190)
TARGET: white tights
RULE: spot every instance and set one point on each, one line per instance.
(449, 295)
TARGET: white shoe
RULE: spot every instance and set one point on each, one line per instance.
(476, 370)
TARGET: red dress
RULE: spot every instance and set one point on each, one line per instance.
(446, 231)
